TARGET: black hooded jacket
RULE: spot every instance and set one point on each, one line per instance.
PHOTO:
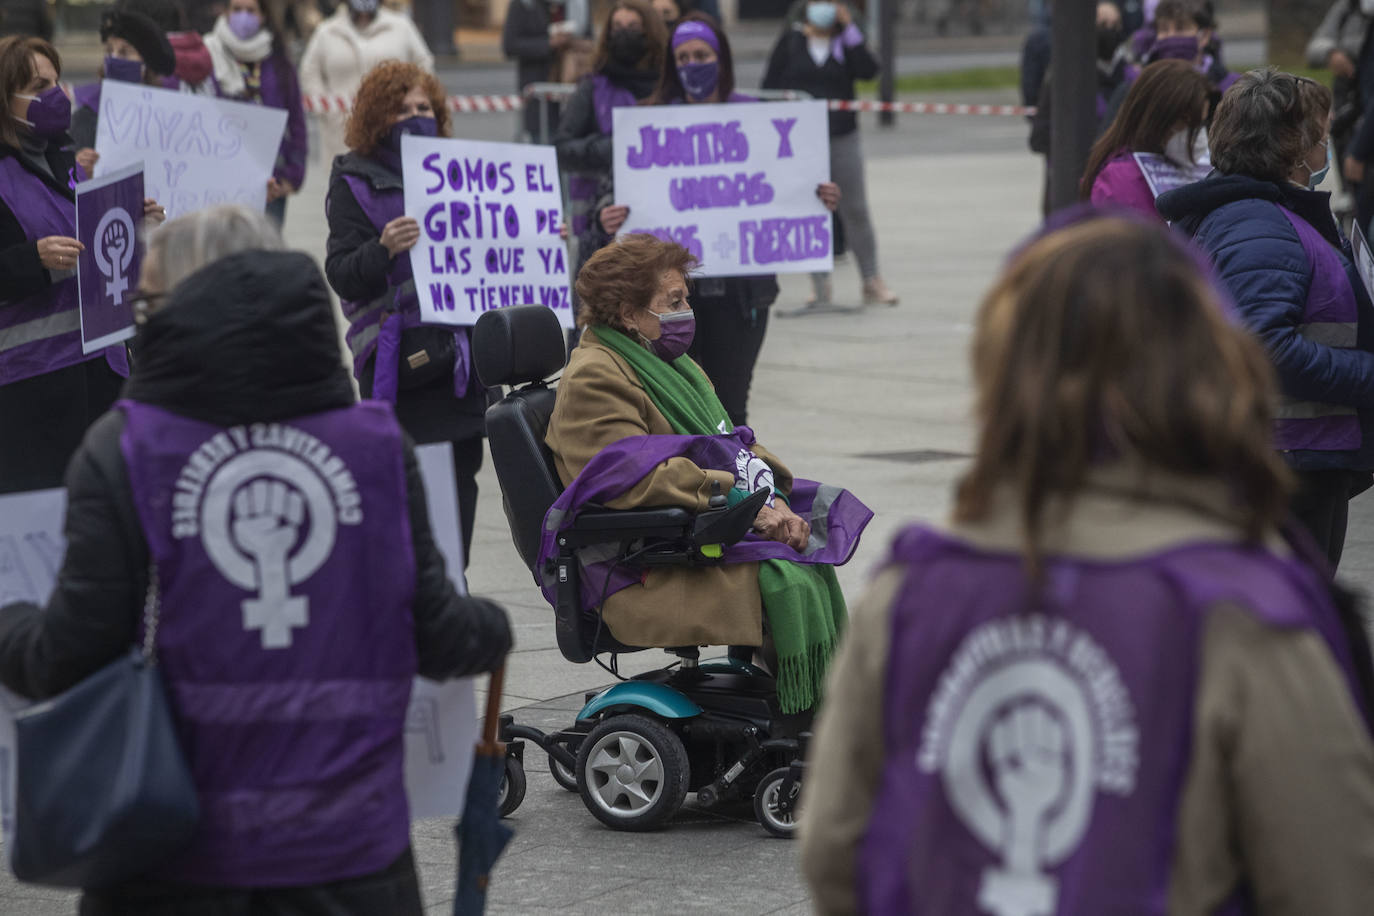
(250, 338)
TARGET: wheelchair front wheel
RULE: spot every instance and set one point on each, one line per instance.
(766, 807)
(633, 772)
(512, 791)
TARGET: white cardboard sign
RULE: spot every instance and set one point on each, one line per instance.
(198, 151)
(489, 217)
(733, 184)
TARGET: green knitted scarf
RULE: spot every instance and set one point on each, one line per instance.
(804, 604)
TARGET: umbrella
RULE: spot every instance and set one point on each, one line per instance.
(481, 835)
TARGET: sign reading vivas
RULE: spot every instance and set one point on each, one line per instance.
(733, 184)
(109, 210)
(489, 217)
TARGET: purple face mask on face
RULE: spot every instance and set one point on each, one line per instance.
(125, 71)
(50, 112)
(244, 24)
(699, 80)
(675, 333)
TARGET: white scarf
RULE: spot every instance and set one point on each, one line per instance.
(229, 51)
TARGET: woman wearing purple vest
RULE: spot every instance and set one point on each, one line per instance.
(425, 371)
(1108, 685)
(251, 66)
(732, 311)
(239, 450)
(49, 390)
(1280, 254)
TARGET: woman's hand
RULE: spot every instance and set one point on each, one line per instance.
(58, 252)
(400, 235)
(842, 18)
(780, 523)
(563, 230)
(276, 189)
(613, 217)
(829, 193)
(87, 158)
(153, 211)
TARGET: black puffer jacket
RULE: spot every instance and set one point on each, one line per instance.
(248, 339)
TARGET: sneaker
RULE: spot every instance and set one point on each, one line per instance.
(877, 293)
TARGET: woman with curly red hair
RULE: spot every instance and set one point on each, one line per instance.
(426, 371)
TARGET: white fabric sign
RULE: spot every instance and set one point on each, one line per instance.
(733, 184)
(198, 151)
(441, 724)
(489, 216)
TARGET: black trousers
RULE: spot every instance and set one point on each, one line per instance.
(467, 461)
(1322, 506)
(727, 344)
(394, 891)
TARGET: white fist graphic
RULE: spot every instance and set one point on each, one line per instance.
(267, 520)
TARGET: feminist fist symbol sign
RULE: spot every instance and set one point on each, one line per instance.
(114, 251)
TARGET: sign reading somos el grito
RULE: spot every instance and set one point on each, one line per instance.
(489, 217)
(733, 184)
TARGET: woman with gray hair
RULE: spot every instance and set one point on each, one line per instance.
(282, 527)
(1279, 252)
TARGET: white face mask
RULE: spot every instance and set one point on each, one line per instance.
(1178, 150)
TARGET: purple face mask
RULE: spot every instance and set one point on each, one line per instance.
(675, 333)
(50, 112)
(244, 24)
(125, 71)
(699, 80)
(1176, 47)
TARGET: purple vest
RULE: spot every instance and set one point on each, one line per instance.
(1330, 318)
(286, 637)
(377, 325)
(41, 333)
(1036, 751)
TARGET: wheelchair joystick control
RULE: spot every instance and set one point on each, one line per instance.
(718, 499)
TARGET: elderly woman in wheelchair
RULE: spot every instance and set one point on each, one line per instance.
(661, 525)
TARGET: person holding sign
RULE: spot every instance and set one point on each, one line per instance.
(732, 312)
(49, 390)
(136, 51)
(251, 66)
(1279, 252)
(282, 529)
(426, 371)
(1157, 143)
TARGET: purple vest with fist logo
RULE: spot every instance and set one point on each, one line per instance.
(1036, 750)
(286, 638)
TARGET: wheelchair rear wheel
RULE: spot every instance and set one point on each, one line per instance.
(634, 772)
(766, 807)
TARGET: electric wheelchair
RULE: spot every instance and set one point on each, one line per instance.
(638, 747)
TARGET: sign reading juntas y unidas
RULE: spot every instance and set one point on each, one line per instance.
(733, 184)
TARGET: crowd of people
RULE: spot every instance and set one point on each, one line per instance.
(1121, 677)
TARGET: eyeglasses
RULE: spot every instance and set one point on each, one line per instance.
(145, 304)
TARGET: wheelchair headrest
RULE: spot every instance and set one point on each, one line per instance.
(518, 345)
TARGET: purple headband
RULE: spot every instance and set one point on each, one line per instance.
(691, 30)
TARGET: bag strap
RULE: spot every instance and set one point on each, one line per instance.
(152, 608)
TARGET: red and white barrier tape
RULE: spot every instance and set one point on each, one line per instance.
(480, 103)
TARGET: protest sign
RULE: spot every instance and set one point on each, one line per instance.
(198, 151)
(489, 215)
(1364, 258)
(108, 211)
(733, 184)
(441, 722)
(1163, 174)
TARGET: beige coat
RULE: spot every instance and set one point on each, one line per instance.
(1280, 786)
(601, 401)
(339, 55)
